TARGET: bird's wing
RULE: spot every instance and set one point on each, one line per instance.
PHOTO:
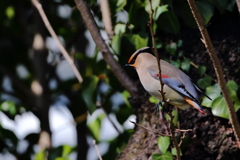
(199, 90)
(173, 83)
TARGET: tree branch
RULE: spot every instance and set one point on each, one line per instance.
(101, 45)
(53, 34)
(106, 15)
(217, 67)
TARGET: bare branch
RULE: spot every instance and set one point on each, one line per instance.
(217, 67)
(53, 34)
(106, 15)
(101, 45)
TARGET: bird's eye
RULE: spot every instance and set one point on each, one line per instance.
(133, 61)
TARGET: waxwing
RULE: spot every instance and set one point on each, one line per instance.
(179, 89)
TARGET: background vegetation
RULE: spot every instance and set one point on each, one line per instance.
(33, 79)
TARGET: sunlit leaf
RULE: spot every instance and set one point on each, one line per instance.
(219, 107)
(95, 127)
(9, 107)
(116, 43)
(119, 28)
(163, 143)
(10, 12)
(213, 92)
(39, 155)
(166, 156)
(67, 150)
(155, 4)
(159, 10)
(120, 5)
(174, 151)
(175, 119)
(125, 96)
(153, 100)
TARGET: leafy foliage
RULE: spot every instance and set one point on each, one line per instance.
(100, 87)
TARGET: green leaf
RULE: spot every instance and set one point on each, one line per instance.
(118, 29)
(219, 108)
(66, 150)
(125, 95)
(175, 119)
(185, 65)
(204, 82)
(220, 5)
(39, 155)
(233, 88)
(166, 156)
(171, 48)
(163, 143)
(176, 63)
(232, 85)
(168, 22)
(153, 100)
(95, 127)
(62, 158)
(159, 10)
(206, 9)
(9, 107)
(116, 42)
(139, 40)
(89, 92)
(10, 12)
(213, 92)
(155, 4)
(179, 43)
(120, 5)
(174, 151)
(201, 70)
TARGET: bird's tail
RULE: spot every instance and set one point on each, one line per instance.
(195, 105)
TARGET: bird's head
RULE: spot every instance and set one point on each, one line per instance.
(134, 61)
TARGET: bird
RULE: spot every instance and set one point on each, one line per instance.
(178, 88)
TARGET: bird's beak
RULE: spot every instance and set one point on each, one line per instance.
(130, 65)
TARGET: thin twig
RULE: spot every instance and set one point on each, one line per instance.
(55, 37)
(182, 138)
(160, 134)
(96, 147)
(172, 129)
(217, 68)
(113, 124)
(184, 130)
